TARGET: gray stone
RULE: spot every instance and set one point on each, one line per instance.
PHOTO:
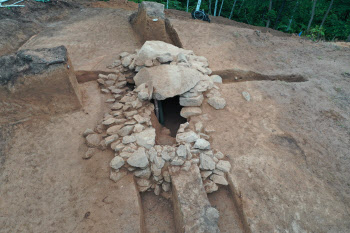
(177, 162)
(157, 190)
(246, 95)
(224, 166)
(182, 151)
(138, 128)
(110, 139)
(181, 58)
(216, 78)
(129, 139)
(117, 162)
(166, 176)
(219, 155)
(109, 121)
(159, 162)
(166, 186)
(167, 80)
(217, 102)
(190, 111)
(202, 144)
(138, 159)
(89, 153)
(117, 106)
(93, 140)
(206, 174)
(219, 179)
(151, 49)
(187, 137)
(206, 163)
(114, 129)
(152, 154)
(191, 205)
(126, 130)
(126, 155)
(87, 132)
(130, 114)
(143, 173)
(186, 166)
(191, 102)
(210, 186)
(146, 138)
(198, 127)
(165, 58)
(155, 170)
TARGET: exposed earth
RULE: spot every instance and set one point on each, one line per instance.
(287, 138)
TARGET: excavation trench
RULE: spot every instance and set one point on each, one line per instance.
(236, 75)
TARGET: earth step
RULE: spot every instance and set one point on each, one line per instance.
(192, 209)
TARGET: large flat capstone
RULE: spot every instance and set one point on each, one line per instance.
(150, 50)
(192, 210)
(168, 80)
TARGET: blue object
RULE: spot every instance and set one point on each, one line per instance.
(300, 33)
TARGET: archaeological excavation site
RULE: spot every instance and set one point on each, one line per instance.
(125, 117)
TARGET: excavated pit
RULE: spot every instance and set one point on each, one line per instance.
(235, 75)
(158, 213)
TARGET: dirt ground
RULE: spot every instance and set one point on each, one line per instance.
(289, 145)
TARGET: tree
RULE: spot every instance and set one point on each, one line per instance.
(188, 2)
(312, 16)
(233, 7)
(216, 5)
(279, 14)
(291, 18)
(325, 16)
(222, 3)
(239, 10)
(270, 8)
(198, 5)
(209, 7)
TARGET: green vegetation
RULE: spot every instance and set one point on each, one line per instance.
(291, 16)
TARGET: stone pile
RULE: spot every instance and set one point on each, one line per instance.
(127, 129)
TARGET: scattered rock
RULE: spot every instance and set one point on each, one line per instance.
(202, 144)
(182, 151)
(190, 111)
(206, 163)
(187, 137)
(224, 166)
(216, 78)
(217, 102)
(146, 138)
(93, 140)
(210, 186)
(138, 159)
(191, 102)
(117, 162)
(198, 127)
(126, 130)
(219, 179)
(89, 153)
(246, 95)
(144, 173)
(166, 186)
(114, 129)
(129, 139)
(87, 132)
